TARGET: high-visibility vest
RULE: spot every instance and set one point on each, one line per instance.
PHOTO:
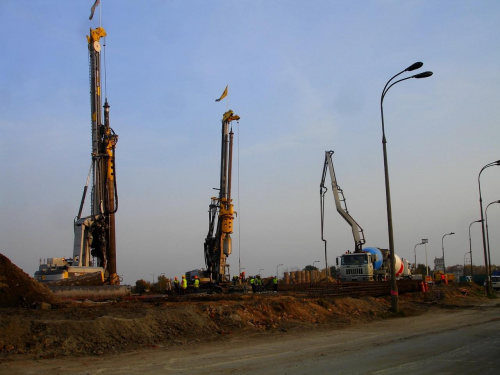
(252, 280)
(184, 283)
(275, 280)
(176, 281)
(196, 283)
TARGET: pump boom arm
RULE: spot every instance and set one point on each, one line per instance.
(338, 195)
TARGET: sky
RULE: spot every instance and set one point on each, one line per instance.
(304, 76)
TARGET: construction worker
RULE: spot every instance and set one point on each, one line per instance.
(176, 285)
(252, 283)
(259, 284)
(196, 284)
(184, 284)
(275, 284)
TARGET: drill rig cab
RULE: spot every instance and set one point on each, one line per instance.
(221, 212)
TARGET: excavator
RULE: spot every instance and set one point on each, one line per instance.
(221, 212)
(94, 248)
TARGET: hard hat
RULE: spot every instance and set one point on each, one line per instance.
(183, 276)
(196, 277)
(176, 277)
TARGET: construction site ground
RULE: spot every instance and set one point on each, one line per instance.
(37, 325)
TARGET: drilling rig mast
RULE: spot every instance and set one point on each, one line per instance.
(221, 211)
(95, 234)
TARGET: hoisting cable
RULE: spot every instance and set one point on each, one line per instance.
(239, 204)
(84, 193)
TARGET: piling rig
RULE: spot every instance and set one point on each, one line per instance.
(221, 210)
(95, 234)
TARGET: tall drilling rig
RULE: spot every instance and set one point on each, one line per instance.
(221, 210)
(95, 234)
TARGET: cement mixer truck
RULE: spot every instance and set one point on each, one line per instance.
(364, 264)
(371, 264)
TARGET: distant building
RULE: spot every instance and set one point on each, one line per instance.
(439, 264)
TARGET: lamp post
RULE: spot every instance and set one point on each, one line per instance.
(488, 278)
(425, 241)
(442, 246)
(152, 274)
(394, 285)
(415, 253)
(262, 269)
(277, 274)
(470, 244)
(487, 232)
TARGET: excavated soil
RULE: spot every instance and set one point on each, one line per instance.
(34, 323)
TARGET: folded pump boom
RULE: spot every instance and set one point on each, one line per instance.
(338, 195)
(221, 212)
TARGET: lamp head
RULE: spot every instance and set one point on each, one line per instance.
(452, 232)
(414, 66)
(423, 75)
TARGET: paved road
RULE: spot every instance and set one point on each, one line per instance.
(444, 342)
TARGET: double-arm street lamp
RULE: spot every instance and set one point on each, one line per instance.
(486, 264)
(470, 244)
(442, 246)
(394, 285)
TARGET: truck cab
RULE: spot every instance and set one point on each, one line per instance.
(495, 282)
(356, 267)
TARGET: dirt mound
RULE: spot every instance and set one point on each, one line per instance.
(100, 328)
(18, 289)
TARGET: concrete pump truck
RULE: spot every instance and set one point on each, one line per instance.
(221, 210)
(94, 248)
(363, 264)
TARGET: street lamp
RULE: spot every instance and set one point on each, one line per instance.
(152, 274)
(394, 285)
(415, 253)
(277, 274)
(488, 281)
(261, 269)
(425, 241)
(442, 246)
(470, 244)
(316, 261)
(487, 233)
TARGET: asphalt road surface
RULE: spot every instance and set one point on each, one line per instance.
(441, 342)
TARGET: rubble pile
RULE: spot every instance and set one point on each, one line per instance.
(18, 289)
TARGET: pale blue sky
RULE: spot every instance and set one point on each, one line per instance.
(305, 77)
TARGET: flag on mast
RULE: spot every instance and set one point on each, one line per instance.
(224, 94)
(92, 10)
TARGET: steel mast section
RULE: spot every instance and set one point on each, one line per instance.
(338, 195)
(221, 211)
(95, 234)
